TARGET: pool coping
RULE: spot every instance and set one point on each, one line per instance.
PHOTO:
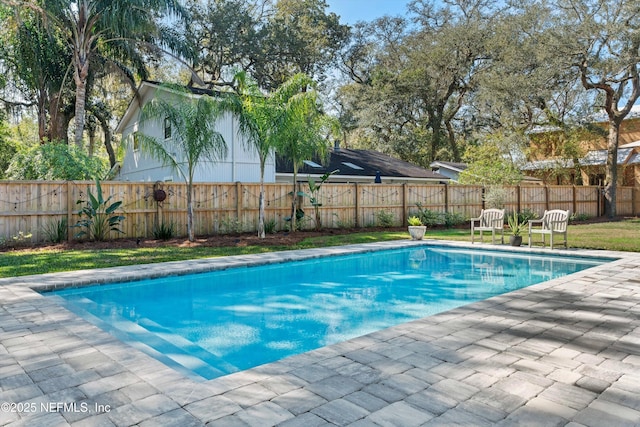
(102, 276)
(378, 378)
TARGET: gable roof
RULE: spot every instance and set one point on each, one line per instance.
(143, 89)
(454, 166)
(592, 158)
(361, 163)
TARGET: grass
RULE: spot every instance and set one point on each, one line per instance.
(617, 236)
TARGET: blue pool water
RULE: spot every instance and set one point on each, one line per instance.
(220, 322)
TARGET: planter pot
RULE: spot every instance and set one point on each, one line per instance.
(515, 240)
(417, 231)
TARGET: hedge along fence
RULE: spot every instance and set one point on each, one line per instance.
(28, 206)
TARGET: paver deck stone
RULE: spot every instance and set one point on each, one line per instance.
(563, 352)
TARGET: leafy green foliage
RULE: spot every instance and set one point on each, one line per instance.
(194, 135)
(55, 231)
(270, 226)
(314, 194)
(164, 230)
(302, 128)
(100, 215)
(8, 146)
(414, 221)
(488, 164)
(385, 218)
(432, 218)
(55, 161)
(516, 225)
(271, 40)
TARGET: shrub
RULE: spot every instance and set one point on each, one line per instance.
(19, 239)
(452, 219)
(55, 231)
(232, 226)
(164, 230)
(414, 221)
(385, 218)
(428, 217)
(495, 197)
(526, 214)
(579, 217)
(270, 226)
(100, 216)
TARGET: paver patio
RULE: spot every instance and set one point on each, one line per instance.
(564, 352)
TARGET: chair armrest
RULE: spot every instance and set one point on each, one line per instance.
(533, 222)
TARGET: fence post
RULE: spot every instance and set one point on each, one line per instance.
(519, 198)
(238, 200)
(405, 208)
(446, 197)
(599, 190)
(69, 211)
(546, 197)
(357, 204)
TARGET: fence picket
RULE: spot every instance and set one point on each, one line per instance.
(27, 206)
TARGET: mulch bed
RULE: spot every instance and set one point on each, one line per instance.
(228, 240)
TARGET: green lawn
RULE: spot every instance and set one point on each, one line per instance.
(618, 236)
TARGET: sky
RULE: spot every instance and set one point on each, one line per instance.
(352, 11)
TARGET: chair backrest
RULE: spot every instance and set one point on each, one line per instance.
(556, 220)
(492, 218)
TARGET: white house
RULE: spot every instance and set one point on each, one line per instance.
(240, 165)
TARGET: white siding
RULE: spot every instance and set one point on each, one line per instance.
(241, 163)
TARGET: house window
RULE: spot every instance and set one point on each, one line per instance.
(312, 164)
(136, 141)
(167, 128)
(352, 166)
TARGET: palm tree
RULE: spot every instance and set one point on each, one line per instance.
(116, 29)
(301, 128)
(256, 114)
(288, 120)
(194, 136)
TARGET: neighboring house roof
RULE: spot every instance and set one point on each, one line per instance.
(360, 163)
(547, 164)
(631, 145)
(454, 166)
(599, 157)
(146, 86)
(592, 158)
(601, 116)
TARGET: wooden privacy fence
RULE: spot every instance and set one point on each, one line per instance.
(29, 206)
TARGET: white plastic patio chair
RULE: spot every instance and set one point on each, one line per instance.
(552, 222)
(489, 220)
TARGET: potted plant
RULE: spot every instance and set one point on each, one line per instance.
(416, 229)
(516, 227)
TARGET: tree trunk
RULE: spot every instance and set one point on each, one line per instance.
(42, 117)
(452, 141)
(611, 174)
(81, 69)
(294, 199)
(190, 212)
(261, 233)
(58, 120)
(104, 124)
(92, 140)
(81, 91)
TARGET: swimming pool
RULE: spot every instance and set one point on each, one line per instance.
(216, 323)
